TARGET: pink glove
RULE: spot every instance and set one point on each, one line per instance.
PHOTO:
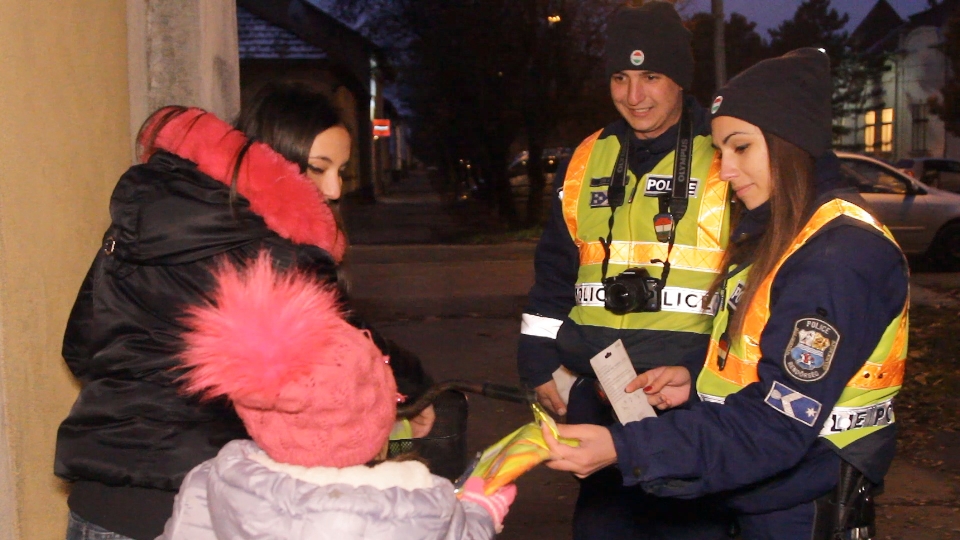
(497, 504)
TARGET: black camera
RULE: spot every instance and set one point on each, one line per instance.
(633, 291)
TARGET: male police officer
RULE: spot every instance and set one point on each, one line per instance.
(642, 195)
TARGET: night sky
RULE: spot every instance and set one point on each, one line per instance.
(769, 13)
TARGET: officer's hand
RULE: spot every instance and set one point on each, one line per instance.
(665, 386)
(422, 423)
(595, 452)
(549, 397)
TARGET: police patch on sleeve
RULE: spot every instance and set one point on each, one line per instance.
(811, 349)
(793, 404)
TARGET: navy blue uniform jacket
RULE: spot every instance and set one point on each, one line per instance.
(847, 275)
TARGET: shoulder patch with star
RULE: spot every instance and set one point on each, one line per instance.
(811, 348)
(793, 404)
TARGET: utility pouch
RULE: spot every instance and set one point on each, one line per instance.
(847, 513)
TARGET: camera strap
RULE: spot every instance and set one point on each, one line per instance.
(723, 344)
(674, 206)
(615, 195)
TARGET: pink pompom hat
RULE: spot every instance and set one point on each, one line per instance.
(312, 389)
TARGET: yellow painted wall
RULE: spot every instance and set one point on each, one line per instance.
(64, 140)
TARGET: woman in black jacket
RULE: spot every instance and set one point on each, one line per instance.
(205, 194)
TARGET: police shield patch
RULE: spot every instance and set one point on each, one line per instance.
(811, 349)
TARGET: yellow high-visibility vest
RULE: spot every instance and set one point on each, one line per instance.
(865, 405)
(697, 254)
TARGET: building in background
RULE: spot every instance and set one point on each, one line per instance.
(896, 121)
(295, 40)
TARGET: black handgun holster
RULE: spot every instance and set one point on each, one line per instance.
(848, 512)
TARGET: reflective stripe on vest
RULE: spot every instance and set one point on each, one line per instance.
(697, 253)
(877, 381)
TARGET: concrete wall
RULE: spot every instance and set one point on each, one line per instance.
(64, 139)
(183, 53)
(70, 99)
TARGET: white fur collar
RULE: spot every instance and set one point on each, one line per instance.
(409, 475)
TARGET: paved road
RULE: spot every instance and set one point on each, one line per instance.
(459, 308)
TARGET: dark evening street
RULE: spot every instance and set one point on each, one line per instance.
(458, 307)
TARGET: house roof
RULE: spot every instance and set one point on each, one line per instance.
(259, 39)
(343, 47)
(877, 25)
(879, 30)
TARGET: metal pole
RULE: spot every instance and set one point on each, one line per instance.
(719, 48)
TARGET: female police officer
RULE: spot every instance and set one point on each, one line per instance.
(808, 348)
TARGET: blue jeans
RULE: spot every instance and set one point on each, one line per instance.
(81, 529)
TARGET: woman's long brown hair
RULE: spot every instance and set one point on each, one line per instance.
(792, 196)
(285, 115)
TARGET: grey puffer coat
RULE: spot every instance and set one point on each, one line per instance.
(241, 493)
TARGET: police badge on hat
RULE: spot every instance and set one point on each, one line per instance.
(811, 349)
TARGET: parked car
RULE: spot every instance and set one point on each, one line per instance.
(550, 158)
(935, 172)
(923, 219)
(517, 171)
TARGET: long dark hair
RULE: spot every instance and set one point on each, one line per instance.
(287, 116)
(792, 196)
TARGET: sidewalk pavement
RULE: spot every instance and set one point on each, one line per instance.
(459, 307)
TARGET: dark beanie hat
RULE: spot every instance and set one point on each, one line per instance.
(788, 96)
(650, 37)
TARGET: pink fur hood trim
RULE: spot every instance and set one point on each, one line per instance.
(288, 201)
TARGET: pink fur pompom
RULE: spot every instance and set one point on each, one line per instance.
(264, 330)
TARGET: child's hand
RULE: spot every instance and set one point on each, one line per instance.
(497, 504)
(423, 422)
(549, 396)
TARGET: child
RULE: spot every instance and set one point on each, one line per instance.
(319, 400)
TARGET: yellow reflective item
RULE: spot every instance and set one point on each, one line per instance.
(401, 430)
(517, 453)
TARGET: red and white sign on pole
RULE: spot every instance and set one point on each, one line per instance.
(381, 127)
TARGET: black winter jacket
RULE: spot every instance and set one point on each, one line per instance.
(131, 427)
